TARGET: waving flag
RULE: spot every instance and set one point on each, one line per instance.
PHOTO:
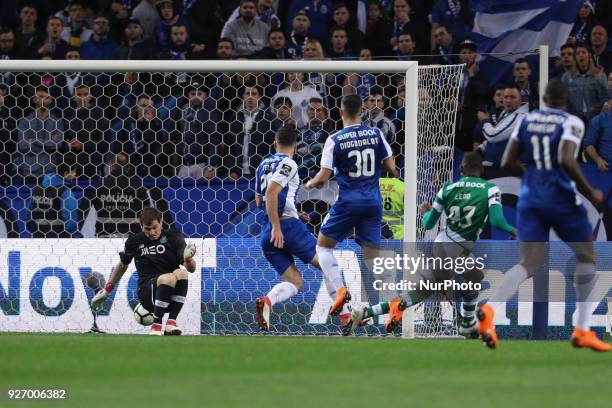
(510, 29)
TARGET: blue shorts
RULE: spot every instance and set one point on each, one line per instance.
(299, 242)
(571, 224)
(365, 218)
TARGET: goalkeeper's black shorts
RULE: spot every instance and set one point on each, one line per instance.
(146, 293)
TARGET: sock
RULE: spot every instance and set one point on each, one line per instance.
(510, 284)
(281, 292)
(178, 299)
(329, 266)
(468, 312)
(584, 282)
(330, 287)
(376, 310)
(162, 301)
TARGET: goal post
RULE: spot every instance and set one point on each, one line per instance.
(230, 251)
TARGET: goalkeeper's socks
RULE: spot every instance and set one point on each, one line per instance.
(329, 266)
(510, 284)
(468, 311)
(584, 282)
(376, 310)
(281, 292)
(162, 301)
(177, 300)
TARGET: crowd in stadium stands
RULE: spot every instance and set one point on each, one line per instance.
(221, 125)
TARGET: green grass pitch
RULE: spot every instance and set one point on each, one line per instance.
(201, 371)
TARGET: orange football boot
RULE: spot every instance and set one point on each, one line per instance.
(588, 339)
(486, 327)
(342, 296)
(396, 312)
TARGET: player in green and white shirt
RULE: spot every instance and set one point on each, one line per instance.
(467, 204)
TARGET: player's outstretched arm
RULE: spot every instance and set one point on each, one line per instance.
(497, 219)
(98, 299)
(317, 181)
(272, 210)
(431, 216)
(568, 163)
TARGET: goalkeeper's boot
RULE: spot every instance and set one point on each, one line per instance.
(342, 296)
(156, 330)
(356, 319)
(264, 307)
(486, 327)
(172, 329)
(469, 328)
(396, 313)
(588, 339)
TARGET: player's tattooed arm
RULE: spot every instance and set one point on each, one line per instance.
(317, 181)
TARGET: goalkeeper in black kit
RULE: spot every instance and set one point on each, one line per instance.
(162, 282)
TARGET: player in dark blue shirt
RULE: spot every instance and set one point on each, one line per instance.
(548, 141)
(355, 155)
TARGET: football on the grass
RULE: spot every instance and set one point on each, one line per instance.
(143, 316)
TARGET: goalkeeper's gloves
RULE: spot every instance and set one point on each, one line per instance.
(190, 251)
(100, 297)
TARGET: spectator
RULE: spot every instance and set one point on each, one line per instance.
(299, 35)
(27, 34)
(40, 135)
(583, 25)
(361, 83)
(406, 47)
(282, 109)
(320, 81)
(342, 18)
(276, 48)
(76, 30)
(443, 46)
(339, 45)
(53, 46)
(54, 207)
(566, 61)
(8, 145)
(587, 87)
(204, 17)
(87, 133)
(265, 14)
(378, 30)
(181, 48)
(168, 18)
(225, 49)
(375, 114)
(121, 11)
(603, 14)
(598, 140)
(249, 138)
(312, 138)
(320, 15)
(492, 112)
(118, 198)
(473, 91)
(455, 15)
(147, 14)
(197, 131)
(529, 90)
(299, 94)
(406, 21)
(599, 42)
(248, 34)
(497, 135)
(313, 50)
(100, 46)
(143, 139)
(134, 47)
(7, 44)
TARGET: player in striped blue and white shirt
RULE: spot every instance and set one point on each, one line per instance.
(284, 235)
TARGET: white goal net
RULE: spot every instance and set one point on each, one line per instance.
(85, 145)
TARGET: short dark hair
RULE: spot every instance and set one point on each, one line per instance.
(283, 100)
(42, 88)
(567, 45)
(337, 28)
(376, 91)
(62, 168)
(286, 136)
(251, 85)
(28, 4)
(445, 29)
(472, 161)
(179, 24)
(513, 86)
(556, 94)
(499, 87)
(148, 215)
(276, 30)
(351, 105)
(227, 40)
(76, 3)
(315, 100)
(342, 5)
(520, 61)
(586, 47)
